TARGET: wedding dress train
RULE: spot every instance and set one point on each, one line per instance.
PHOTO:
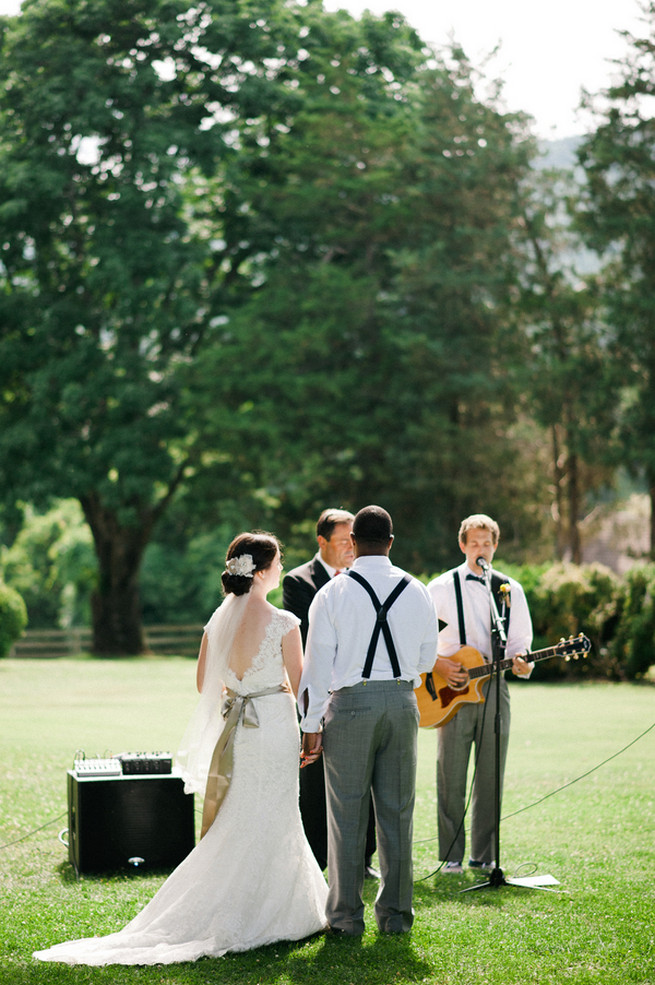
(252, 880)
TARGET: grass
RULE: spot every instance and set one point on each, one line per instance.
(595, 836)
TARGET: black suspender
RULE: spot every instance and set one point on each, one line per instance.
(501, 602)
(381, 624)
(460, 609)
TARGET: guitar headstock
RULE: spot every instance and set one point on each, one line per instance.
(574, 647)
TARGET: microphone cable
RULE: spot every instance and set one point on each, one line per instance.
(582, 775)
(468, 799)
(535, 803)
(29, 834)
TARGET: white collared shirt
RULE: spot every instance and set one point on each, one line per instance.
(477, 614)
(341, 622)
(328, 567)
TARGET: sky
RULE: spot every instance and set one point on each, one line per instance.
(548, 51)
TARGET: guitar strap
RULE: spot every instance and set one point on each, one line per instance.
(501, 602)
(460, 609)
(381, 624)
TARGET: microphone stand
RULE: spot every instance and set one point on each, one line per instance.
(498, 648)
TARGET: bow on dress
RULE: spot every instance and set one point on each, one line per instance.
(237, 708)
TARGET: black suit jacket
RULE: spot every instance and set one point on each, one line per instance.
(299, 587)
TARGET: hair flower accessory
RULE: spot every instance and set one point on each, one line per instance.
(242, 565)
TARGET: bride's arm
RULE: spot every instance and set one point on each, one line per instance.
(202, 660)
(292, 656)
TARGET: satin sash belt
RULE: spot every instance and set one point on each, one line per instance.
(236, 708)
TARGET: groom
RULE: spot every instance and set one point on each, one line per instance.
(359, 709)
(299, 586)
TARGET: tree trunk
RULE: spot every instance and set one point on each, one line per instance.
(558, 504)
(115, 604)
(573, 489)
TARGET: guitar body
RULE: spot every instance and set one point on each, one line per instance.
(438, 702)
(436, 711)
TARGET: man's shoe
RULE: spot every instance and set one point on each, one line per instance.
(371, 873)
(452, 869)
(340, 932)
(482, 866)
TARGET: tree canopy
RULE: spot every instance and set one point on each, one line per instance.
(257, 258)
(617, 218)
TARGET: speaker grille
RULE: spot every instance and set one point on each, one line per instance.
(113, 820)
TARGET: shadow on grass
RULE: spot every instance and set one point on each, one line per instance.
(68, 875)
(371, 959)
(471, 889)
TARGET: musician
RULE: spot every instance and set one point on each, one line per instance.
(468, 622)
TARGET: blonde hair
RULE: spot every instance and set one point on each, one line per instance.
(478, 521)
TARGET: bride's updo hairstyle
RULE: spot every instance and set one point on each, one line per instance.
(246, 555)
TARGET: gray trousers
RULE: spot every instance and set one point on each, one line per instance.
(370, 744)
(471, 728)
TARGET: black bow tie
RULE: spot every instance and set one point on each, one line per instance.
(475, 578)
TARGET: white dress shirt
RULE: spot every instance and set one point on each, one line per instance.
(341, 622)
(328, 567)
(477, 614)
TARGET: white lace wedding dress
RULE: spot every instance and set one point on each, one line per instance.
(252, 879)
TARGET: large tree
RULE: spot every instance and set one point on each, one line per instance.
(570, 385)
(133, 146)
(617, 217)
(375, 357)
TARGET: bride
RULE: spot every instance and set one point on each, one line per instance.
(252, 878)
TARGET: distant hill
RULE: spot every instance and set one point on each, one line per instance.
(559, 153)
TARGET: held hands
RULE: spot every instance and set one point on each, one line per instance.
(312, 747)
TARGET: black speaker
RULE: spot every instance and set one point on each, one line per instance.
(128, 822)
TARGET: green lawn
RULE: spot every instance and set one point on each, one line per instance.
(596, 836)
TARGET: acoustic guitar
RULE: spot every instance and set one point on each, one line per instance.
(438, 702)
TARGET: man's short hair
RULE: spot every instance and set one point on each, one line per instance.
(478, 521)
(329, 519)
(373, 525)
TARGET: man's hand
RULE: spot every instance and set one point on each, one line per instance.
(312, 747)
(520, 666)
(454, 674)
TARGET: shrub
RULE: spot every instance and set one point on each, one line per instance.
(633, 644)
(51, 563)
(569, 599)
(13, 618)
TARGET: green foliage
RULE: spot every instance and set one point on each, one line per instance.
(394, 222)
(51, 563)
(181, 583)
(616, 217)
(633, 643)
(570, 599)
(13, 618)
(571, 387)
(258, 257)
(136, 168)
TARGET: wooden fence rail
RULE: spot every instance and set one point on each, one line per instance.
(161, 640)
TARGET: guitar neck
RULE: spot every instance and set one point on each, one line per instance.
(485, 670)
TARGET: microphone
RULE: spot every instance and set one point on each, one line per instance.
(483, 563)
